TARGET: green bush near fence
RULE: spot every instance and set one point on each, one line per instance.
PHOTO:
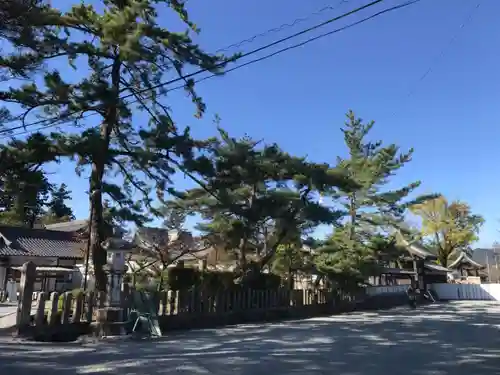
(60, 300)
(186, 278)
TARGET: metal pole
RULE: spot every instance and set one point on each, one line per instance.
(488, 265)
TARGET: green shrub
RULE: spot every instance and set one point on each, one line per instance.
(182, 278)
(262, 281)
(214, 280)
(74, 294)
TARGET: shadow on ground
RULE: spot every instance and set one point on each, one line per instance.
(455, 338)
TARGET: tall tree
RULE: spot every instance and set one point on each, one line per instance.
(255, 198)
(24, 187)
(58, 211)
(369, 208)
(129, 58)
(24, 195)
(448, 226)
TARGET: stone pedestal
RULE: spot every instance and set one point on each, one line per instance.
(110, 322)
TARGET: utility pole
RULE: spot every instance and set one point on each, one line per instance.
(497, 271)
(488, 267)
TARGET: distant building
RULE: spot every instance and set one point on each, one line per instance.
(491, 259)
(54, 253)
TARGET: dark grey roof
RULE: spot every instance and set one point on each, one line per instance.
(396, 271)
(415, 248)
(9, 251)
(464, 259)
(421, 251)
(436, 267)
(21, 241)
(68, 226)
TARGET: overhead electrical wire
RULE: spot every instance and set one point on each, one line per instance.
(440, 55)
(197, 72)
(262, 34)
(282, 27)
(57, 121)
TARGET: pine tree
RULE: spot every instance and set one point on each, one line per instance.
(370, 208)
(23, 196)
(127, 54)
(24, 187)
(255, 198)
(23, 26)
(58, 211)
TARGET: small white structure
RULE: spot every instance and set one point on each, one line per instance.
(11, 289)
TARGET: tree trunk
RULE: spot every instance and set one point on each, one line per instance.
(291, 280)
(96, 178)
(97, 236)
(243, 251)
(443, 259)
(352, 214)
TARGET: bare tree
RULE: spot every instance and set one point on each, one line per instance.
(161, 247)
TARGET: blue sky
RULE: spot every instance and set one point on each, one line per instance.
(299, 98)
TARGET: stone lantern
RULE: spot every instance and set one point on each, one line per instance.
(111, 315)
(117, 250)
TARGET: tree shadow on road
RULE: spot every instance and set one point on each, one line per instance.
(438, 339)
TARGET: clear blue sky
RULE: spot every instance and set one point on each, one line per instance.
(299, 97)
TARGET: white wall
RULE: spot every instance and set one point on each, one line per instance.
(385, 289)
(487, 292)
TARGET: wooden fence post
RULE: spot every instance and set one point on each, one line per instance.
(28, 276)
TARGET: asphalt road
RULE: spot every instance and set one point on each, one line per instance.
(456, 338)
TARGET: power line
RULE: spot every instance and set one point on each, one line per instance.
(256, 36)
(282, 27)
(247, 63)
(441, 53)
(197, 72)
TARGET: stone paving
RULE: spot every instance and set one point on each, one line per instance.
(456, 338)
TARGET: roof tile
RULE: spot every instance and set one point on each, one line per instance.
(40, 242)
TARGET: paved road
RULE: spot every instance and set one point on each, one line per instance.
(458, 339)
(7, 308)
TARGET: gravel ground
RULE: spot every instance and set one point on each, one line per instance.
(456, 338)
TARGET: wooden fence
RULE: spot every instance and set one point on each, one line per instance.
(195, 308)
(190, 305)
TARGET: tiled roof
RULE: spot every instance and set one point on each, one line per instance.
(39, 242)
(436, 267)
(464, 259)
(9, 251)
(417, 249)
(69, 226)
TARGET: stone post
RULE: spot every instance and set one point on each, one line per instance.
(28, 276)
(4, 266)
(202, 264)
